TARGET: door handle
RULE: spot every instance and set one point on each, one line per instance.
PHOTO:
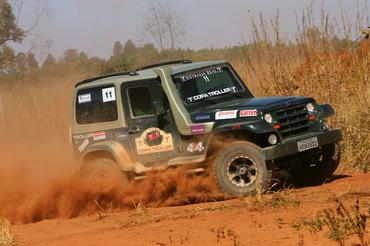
(134, 130)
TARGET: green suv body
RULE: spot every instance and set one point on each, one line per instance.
(200, 115)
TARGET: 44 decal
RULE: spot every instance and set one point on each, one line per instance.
(195, 147)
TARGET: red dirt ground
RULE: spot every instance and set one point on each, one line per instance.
(244, 221)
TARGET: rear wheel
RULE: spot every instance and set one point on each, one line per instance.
(321, 168)
(103, 170)
(240, 169)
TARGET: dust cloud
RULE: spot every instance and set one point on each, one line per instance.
(71, 196)
(38, 174)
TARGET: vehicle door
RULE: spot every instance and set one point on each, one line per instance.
(152, 131)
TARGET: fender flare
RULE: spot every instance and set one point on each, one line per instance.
(326, 110)
(118, 152)
(249, 129)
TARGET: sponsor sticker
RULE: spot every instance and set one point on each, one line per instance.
(84, 98)
(198, 129)
(98, 136)
(248, 113)
(153, 140)
(224, 115)
(83, 145)
(82, 136)
(195, 147)
(203, 117)
(108, 94)
(120, 135)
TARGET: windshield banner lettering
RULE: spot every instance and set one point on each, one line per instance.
(201, 74)
(212, 93)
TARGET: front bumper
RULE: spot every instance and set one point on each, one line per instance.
(290, 147)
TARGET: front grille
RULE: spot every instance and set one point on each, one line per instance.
(293, 120)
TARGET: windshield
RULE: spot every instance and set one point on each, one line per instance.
(207, 84)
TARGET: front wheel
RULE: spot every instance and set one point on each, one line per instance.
(317, 171)
(240, 170)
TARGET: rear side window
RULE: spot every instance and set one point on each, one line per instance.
(142, 98)
(95, 105)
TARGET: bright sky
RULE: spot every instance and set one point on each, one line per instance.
(93, 26)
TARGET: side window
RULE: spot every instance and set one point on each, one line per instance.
(95, 105)
(142, 98)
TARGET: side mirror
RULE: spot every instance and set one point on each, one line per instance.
(158, 107)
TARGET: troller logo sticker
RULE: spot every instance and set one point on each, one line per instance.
(153, 140)
(224, 115)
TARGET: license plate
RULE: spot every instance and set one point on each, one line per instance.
(306, 144)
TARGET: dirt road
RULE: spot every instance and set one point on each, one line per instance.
(281, 218)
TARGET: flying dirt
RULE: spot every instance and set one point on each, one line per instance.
(71, 197)
(43, 185)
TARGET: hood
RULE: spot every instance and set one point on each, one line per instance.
(250, 107)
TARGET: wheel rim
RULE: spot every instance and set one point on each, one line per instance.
(241, 171)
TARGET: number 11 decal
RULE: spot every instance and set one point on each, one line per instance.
(108, 94)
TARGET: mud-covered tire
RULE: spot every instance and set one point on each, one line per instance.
(308, 175)
(103, 171)
(239, 169)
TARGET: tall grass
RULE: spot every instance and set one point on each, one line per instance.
(316, 64)
(7, 234)
(320, 62)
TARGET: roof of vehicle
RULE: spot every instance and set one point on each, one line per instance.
(145, 72)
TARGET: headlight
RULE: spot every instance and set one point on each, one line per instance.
(272, 139)
(268, 118)
(310, 107)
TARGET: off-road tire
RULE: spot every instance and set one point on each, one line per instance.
(104, 171)
(244, 152)
(305, 175)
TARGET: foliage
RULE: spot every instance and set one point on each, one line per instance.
(341, 223)
(7, 235)
(9, 32)
(317, 64)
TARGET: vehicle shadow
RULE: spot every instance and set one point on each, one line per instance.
(283, 181)
(336, 177)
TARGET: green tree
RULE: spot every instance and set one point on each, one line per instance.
(71, 56)
(117, 49)
(83, 59)
(49, 61)
(129, 49)
(21, 62)
(9, 32)
(31, 61)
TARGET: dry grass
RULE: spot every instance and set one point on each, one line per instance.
(226, 235)
(339, 223)
(319, 63)
(276, 200)
(7, 234)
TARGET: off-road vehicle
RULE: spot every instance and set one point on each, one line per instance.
(178, 113)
